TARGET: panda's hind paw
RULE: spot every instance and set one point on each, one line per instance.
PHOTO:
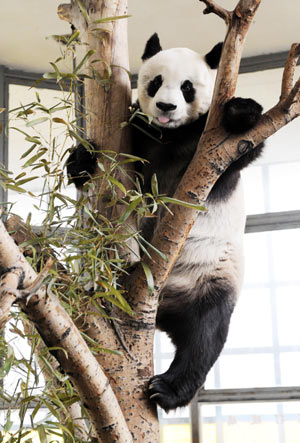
(241, 114)
(164, 394)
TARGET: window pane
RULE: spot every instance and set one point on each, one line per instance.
(256, 259)
(253, 307)
(288, 309)
(251, 423)
(50, 133)
(254, 190)
(241, 371)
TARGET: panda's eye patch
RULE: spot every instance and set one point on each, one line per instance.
(188, 91)
(154, 85)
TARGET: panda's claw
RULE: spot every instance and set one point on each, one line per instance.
(154, 395)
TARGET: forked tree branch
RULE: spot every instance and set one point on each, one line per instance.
(289, 71)
(211, 6)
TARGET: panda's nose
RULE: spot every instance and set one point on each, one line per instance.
(166, 106)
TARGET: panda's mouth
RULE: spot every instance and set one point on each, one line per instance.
(163, 119)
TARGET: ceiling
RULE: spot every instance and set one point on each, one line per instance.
(26, 25)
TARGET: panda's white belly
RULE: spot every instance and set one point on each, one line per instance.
(214, 248)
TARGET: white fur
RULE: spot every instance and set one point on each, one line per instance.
(215, 243)
(175, 66)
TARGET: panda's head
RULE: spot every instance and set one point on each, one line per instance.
(175, 86)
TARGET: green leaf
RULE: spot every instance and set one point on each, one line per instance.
(154, 185)
(25, 180)
(85, 58)
(110, 19)
(42, 433)
(149, 277)
(35, 158)
(83, 11)
(35, 140)
(73, 37)
(115, 182)
(28, 151)
(14, 188)
(130, 209)
(182, 203)
(37, 121)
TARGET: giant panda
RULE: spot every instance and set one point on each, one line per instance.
(175, 88)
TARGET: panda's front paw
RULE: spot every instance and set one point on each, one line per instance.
(81, 165)
(241, 114)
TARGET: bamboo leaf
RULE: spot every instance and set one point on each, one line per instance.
(35, 158)
(115, 182)
(83, 11)
(85, 58)
(28, 151)
(154, 185)
(25, 180)
(182, 203)
(60, 120)
(14, 188)
(149, 277)
(37, 121)
(42, 433)
(110, 19)
(73, 37)
(130, 209)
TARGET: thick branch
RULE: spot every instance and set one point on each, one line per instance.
(58, 330)
(229, 65)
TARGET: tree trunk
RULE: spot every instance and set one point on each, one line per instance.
(107, 107)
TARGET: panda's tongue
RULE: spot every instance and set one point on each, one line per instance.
(163, 119)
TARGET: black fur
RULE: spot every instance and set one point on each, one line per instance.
(196, 317)
(188, 91)
(154, 85)
(81, 165)
(200, 333)
(152, 47)
(214, 56)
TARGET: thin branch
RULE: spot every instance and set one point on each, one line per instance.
(212, 7)
(289, 71)
(8, 292)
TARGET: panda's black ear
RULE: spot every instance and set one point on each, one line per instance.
(214, 56)
(152, 47)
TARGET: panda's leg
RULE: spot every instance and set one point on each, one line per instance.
(199, 330)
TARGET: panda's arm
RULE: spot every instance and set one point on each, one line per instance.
(239, 116)
(81, 165)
